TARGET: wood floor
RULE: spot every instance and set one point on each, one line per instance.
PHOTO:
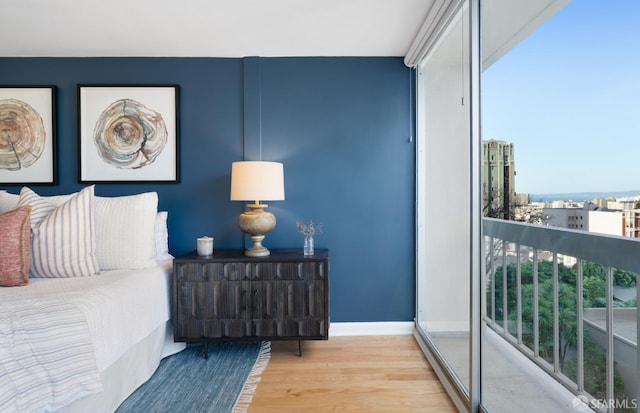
(350, 374)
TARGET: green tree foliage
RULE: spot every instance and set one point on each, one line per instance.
(590, 269)
(624, 278)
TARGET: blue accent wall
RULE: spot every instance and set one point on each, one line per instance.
(340, 126)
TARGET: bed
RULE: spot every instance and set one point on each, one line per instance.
(85, 342)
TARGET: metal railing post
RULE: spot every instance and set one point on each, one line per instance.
(519, 297)
(609, 315)
(493, 279)
(536, 323)
(505, 321)
(556, 317)
(580, 328)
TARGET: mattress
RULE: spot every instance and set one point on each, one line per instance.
(91, 322)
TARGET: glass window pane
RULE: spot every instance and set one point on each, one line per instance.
(443, 239)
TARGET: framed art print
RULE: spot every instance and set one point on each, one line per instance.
(128, 133)
(27, 135)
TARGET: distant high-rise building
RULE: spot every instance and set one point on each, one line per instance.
(631, 216)
(522, 198)
(498, 179)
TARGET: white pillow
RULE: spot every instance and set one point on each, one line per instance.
(62, 241)
(125, 227)
(58, 200)
(40, 207)
(161, 236)
(8, 202)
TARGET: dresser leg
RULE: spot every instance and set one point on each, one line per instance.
(299, 348)
(205, 350)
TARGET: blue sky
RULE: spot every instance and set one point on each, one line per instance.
(568, 97)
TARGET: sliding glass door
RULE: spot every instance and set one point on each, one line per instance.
(501, 319)
(443, 182)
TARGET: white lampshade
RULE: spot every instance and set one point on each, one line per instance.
(256, 181)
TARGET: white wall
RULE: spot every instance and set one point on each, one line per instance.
(606, 222)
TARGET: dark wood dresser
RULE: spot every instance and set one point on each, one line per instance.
(228, 296)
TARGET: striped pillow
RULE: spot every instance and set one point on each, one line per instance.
(63, 238)
(40, 207)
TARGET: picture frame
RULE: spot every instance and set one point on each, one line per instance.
(128, 133)
(28, 135)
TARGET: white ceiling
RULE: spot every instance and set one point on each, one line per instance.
(214, 28)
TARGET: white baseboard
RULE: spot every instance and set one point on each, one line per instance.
(446, 326)
(387, 328)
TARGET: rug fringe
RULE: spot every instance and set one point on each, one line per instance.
(251, 384)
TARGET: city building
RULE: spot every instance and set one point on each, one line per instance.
(522, 198)
(588, 218)
(631, 216)
(498, 179)
(605, 216)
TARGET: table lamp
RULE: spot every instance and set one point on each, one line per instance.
(257, 181)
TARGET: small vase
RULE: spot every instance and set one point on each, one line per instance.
(308, 246)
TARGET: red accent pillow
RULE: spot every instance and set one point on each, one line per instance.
(15, 247)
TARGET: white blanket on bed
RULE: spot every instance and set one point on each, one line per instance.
(46, 355)
(69, 330)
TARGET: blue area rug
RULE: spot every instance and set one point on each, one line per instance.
(187, 382)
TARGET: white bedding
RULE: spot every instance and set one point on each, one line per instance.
(115, 310)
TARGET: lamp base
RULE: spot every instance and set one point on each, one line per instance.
(257, 249)
(257, 222)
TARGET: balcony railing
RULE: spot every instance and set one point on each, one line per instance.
(550, 293)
